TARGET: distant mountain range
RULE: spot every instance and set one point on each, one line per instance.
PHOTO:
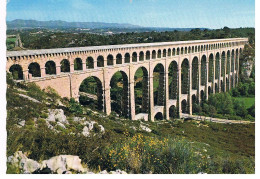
(58, 24)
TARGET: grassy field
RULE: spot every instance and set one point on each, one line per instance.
(249, 101)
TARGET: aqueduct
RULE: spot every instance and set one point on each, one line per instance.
(188, 71)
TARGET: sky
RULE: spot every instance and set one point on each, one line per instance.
(148, 13)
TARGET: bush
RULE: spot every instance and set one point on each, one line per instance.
(75, 107)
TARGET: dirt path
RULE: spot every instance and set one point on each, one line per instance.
(217, 120)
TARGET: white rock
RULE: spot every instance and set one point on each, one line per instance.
(147, 129)
(102, 129)
(79, 119)
(61, 125)
(118, 172)
(22, 123)
(63, 163)
(103, 172)
(20, 160)
(86, 131)
(57, 114)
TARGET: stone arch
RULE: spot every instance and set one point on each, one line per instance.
(91, 93)
(227, 84)
(110, 60)
(50, 67)
(153, 54)
(159, 54)
(169, 52)
(17, 72)
(148, 55)
(127, 58)
(78, 64)
(222, 86)
(158, 116)
(202, 96)
(141, 98)
(236, 60)
(203, 70)
(209, 90)
(216, 88)
(119, 59)
(134, 57)
(194, 102)
(89, 63)
(228, 63)
(100, 61)
(186, 50)
(173, 112)
(158, 87)
(173, 80)
(184, 106)
(211, 68)
(217, 66)
(195, 73)
(141, 56)
(34, 69)
(223, 59)
(233, 60)
(119, 94)
(164, 53)
(65, 66)
(173, 52)
(178, 51)
(182, 51)
(185, 70)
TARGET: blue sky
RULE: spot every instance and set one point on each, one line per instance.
(149, 13)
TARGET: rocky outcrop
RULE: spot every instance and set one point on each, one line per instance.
(145, 128)
(21, 161)
(57, 115)
(63, 163)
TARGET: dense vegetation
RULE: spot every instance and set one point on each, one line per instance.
(45, 39)
(174, 146)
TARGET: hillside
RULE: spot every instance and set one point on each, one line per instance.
(43, 125)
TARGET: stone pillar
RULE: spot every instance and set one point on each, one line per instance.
(237, 72)
(95, 64)
(225, 71)
(214, 74)
(107, 92)
(151, 97)
(190, 88)
(84, 66)
(71, 68)
(166, 94)
(26, 75)
(219, 79)
(132, 92)
(207, 79)
(43, 72)
(179, 88)
(199, 81)
(58, 69)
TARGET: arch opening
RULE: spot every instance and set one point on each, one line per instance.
(34, 69)
(17, 72)
(173, 113)
(203, 70)
(127, 58)
(110, 60)
(78, 64)
(211, 68)
(91, 93)
(195, 73)
(141, 91)
(134, 57)
(119, 59)
(50, 68)
(158, 85)
(173, 80)
(185, 76)
(90, 63)
(65, 66)
(158, 116)
(119, 94)
(100, 61)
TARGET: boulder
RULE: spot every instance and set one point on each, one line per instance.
(118, 172)
(147, 129)
(63, 164)
(57, 114)
(61, 125)
(20, 160)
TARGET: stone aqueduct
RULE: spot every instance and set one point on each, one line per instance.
(211, 66)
